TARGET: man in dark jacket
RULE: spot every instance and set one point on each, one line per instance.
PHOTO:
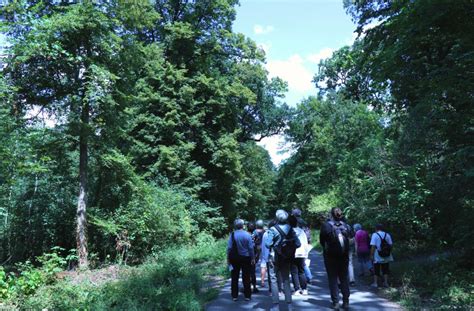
(334, 238)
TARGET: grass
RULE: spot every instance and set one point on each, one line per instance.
(444, 284)
(175, 279)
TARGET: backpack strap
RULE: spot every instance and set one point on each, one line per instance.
(381, 239)
(234, 244)
(282, 234)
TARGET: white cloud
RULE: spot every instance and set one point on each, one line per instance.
(277, 147)
(262, 30)
(317, 57)
(293, 71)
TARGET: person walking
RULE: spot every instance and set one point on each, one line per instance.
(257, 237)
(298, 263)
(334, 237)
(303, 225)
(283, 242)
(253, 276)
(351, 255)
(240, 256)
(381, 254)
(265, 263)
(362, 246)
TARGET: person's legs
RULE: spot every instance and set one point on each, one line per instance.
(365, 262)
(272, 279)
(342, 272)
(294, 275)
(307, 272)
(301, 274)
(332, 278)
(368, 263)
(385, 272)
(263, 272)
(235, 274)
(362, 264)
(351, 269)
(377, 268)
(246, 275)
(284, 268)
(253, 277)
(278, 277)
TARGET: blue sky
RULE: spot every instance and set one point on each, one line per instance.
(296, 35)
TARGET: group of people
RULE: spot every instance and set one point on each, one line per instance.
(281, 252)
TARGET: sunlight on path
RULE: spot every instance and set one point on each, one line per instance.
(362, 298)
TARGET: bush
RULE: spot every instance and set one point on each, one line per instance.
(149, 216)
(173, 280)
(29, 278)
(441, 283)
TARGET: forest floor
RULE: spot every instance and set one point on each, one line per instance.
(362, 296)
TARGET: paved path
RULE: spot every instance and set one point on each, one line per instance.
(362, 297)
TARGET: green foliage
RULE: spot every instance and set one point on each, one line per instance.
(129, 95)
(17, 286)
(442, 283)
(173, 280)
(320, 206)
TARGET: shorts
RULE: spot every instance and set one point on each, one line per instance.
(381, 266)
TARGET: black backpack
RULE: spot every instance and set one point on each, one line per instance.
(233, 252)
(257, 241)
(339, 231)
(385, 248)
(287, 247)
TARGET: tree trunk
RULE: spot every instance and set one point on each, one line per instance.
(81, 232)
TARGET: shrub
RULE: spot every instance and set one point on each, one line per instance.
(170, 281)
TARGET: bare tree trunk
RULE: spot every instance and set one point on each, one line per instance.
(81, 232)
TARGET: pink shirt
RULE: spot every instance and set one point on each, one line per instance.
(362, 240)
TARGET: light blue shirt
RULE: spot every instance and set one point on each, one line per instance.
(265, 249)
(273, 237)
(244, 243)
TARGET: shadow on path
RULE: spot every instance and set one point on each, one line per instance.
(362, 297)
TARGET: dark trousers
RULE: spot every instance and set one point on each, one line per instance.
(297, 273)
(242, 263)
(280, 279)
(253, 276)
(337, 268)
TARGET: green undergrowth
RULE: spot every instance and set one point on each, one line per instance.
(315, 240)
(433, 283)
(175, 279)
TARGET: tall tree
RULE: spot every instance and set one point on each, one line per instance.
(422, 51)
(62, 63)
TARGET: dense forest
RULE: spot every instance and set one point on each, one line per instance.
(137, 123)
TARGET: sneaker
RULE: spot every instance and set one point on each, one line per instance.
(281, 295)
(247, 299)
(297, 294)
(234, 299)
(374, 285)
(335, 305)
(305, 292)
(345, 306)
